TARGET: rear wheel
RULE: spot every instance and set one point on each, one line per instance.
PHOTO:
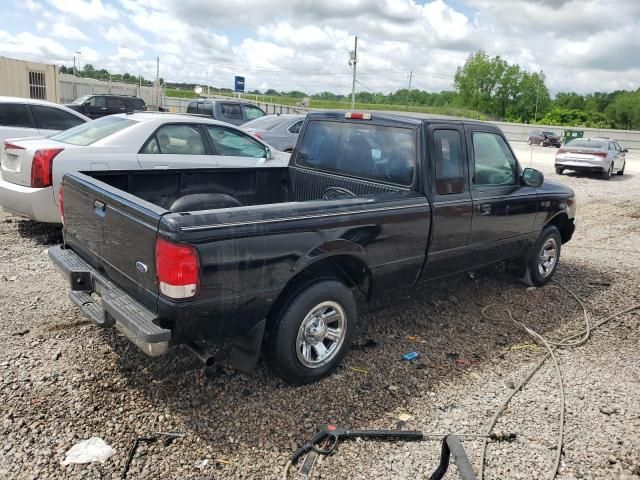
(559, 170)
(621, 171)
(607, 173)
(312, 332)
(541, 143)
(543, 257)
(529, 141)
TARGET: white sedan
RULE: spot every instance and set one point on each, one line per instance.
(31, 169)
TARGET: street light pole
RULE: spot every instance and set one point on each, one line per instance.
(353, 60)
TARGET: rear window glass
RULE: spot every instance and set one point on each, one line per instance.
(192, 107)
(585, 143)
(374, 152)
(549, 134)
(15, 115)
(91, 132)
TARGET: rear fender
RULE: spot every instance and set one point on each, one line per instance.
(329, 249)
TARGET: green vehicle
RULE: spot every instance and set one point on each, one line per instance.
(569, 135)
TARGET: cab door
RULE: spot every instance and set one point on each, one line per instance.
(448, 183)
(504, 209)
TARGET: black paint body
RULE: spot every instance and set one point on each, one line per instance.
(248, 255)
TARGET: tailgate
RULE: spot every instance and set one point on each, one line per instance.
(114, 232)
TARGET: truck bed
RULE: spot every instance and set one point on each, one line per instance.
(287, 218)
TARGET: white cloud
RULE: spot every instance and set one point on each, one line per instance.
(121, 35)
(85, 9)
(67, 32)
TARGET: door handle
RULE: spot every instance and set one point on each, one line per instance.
(99, 208)
(485, 209)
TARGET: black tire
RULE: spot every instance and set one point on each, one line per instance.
(284, 351)
(621, 171)
(535, 275)
(541, 143)
(203, 201)
(529, 141)
(606, 175)
(559, 170)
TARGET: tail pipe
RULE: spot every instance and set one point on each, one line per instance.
(451, 447)
(201, 354)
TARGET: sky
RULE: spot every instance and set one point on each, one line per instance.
(581, 45)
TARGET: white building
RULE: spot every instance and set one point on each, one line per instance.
(20, 78)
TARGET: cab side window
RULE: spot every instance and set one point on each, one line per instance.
(494, 162)
(449, 162)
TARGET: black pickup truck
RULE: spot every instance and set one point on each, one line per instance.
(270, 258)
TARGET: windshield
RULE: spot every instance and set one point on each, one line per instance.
(585, 143)
(91, 132)
(549, 134)
(81, 100)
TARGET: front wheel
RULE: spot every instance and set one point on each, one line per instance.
(312, 332)
(559, 170)
(543, 257)
(541, 143)
(621, 171)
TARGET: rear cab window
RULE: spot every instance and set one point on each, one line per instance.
(374, 152)
(251, 113)
(91, 132)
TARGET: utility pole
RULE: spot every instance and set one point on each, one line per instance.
(535, 116)
(409, 93)
(353, 60)
(158, 82)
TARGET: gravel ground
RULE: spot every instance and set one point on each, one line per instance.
(63, 380)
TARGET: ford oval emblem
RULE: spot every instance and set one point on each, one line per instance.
(142, 268)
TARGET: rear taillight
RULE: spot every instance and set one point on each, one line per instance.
(600, 154)
(12, 146)
(357, 116)
(41, 167)
(561, 150)
(177, 269)
(257, 135)
(61, 203)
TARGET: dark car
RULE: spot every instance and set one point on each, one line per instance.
(273, 256)
(231, 111)
(96, 106)
(544, 138)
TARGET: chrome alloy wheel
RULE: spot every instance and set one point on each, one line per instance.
(321, 334)
(548, 257)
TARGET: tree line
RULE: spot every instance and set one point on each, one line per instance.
(488, 85)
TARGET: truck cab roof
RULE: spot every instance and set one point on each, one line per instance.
(399, 119)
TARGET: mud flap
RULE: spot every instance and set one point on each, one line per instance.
(245, 350)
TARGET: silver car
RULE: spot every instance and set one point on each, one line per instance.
(279, 131)
(597, 155)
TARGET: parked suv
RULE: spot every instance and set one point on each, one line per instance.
(25, 117)
(96, 106)
(543, 138)
(230, 111)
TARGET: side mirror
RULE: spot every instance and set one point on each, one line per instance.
(625, 150)
(532, 177)
(87, 103)
(268, 154)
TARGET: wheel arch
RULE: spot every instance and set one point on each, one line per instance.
(562, 222)
(348, 267)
